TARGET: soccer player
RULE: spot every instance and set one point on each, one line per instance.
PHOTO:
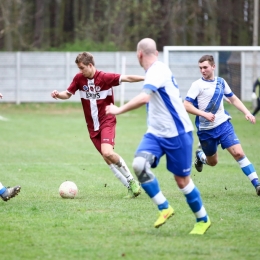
(95, 89)
(256, 95)
(169, 133)
(8, 193)
(205, 100)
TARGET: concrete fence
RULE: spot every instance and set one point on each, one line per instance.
(31, 76)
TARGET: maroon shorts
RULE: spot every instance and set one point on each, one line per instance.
(105, 136)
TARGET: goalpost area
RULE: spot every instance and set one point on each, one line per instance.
(239, 66)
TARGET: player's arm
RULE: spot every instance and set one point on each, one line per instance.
(227, 100)
(241, 107)
(190, 108)
(134, 103)
(1, 95)
(131, 78)
(60, 95)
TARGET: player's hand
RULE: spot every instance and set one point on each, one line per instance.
(112, 109)
(209, 116)
(250, 117)
(254, 95)
(55, 94)
(1, 95)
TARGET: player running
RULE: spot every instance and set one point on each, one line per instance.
(95, 89)
(205, 100)
(169, 133)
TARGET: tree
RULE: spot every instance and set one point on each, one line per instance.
(6, 7)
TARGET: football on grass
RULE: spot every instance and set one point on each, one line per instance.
(68, 190)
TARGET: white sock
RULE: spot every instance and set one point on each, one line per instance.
(1, 186)
(203, 157)
(122, 167)
(119, 175)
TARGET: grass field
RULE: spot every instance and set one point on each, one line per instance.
(43, 145)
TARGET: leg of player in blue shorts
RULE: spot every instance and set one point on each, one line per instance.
(178, 152)
(224, 135)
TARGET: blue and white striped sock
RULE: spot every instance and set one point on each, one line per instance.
(153, 190)
(194, 200)
(249, 170)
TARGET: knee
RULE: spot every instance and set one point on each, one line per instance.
(182, 182)
(212, 162)
(107, 155)
(138, 165)
(238, 156)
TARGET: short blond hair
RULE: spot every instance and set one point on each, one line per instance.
(86, 58)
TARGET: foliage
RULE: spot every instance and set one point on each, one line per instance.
(44, 144)
(85, 45)
(42, 25)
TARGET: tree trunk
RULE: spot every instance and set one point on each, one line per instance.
(39, 24)
(6, 6)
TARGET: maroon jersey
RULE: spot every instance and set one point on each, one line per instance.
(96, 94)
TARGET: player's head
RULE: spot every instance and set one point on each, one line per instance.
(208, 58)
(146, 52)
(207, 67)
(86, 64)
(86, 58)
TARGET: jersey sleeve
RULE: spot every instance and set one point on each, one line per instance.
(74, 86)
(111, 79)
(193, 92)
(227, 90)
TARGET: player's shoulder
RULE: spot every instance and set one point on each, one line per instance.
(79, 75)
(158, 68)
(161, 65)
(222, 80)
(197, 82)
(102, 75)
(98, 74)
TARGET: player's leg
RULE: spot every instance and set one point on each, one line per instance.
(207, 154)
(193, 199)
(109, 155)
(232, 144)
(257, 107)
(209, 141)
(246, 166)
(120, 166)
(96, 140)
(148, 154)
(179, 162)
(119, 175)
(8, 193)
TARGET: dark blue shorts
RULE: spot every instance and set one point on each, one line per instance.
(223, 134)
(178, 151)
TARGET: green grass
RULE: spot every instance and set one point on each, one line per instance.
(43, 145)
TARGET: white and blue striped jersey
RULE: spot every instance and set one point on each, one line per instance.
(207, 95)
(167, 116)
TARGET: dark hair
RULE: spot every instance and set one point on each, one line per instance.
(86, 58)
(208, 58)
